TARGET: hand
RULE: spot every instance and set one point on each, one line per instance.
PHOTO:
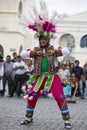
(17, 67)
(21, 67)
(50, 52)
(39, 53)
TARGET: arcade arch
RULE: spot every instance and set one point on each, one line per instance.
(67, 40)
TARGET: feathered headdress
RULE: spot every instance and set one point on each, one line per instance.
(40, 22)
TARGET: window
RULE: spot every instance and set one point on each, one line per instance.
(1, 50)
(83, 43)
(20, 10)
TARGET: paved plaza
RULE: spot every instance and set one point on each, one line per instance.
(46, 117)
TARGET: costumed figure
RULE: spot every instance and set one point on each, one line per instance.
(44, 76)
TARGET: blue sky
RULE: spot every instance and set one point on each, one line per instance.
(69, 7)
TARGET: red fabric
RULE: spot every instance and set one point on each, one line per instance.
(30, 53)
(56, 90)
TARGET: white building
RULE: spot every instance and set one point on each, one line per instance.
(12, 34)
(72, 31)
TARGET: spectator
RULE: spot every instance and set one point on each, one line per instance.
(8, 73)
(30, 67)
(65, 74)
(85, 79)
(14, 60)
(71, 66)
(20, 69)
(78, 73)
(74, 85)
(14, 57)
(1, 75)
(68, 63)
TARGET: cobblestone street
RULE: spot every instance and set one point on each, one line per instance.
(46, 117)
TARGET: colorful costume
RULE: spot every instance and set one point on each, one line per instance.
(45, 76)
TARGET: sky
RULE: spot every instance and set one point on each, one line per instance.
(69, 7)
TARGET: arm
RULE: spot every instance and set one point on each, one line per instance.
(16, 67)
(27, 54)
(61, 51)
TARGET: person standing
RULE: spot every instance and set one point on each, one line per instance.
(20, 75)
(85, 80)
(78, 71)
(1, 75)
(8, 74)
(45, 78)
(65, 74)
(30, 67)
(14, 59)
(44, 75)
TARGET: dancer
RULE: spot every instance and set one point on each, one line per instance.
(45, 77)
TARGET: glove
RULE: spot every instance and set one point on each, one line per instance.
(65, 51)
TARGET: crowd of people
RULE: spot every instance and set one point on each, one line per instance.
(14, 72)
(74, 79)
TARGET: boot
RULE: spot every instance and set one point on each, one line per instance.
(67, 124)
(27, 121)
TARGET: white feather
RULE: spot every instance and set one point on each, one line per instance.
(36, 12)
(44, 10)
(24, 20)
(32, 16)
(54, 14)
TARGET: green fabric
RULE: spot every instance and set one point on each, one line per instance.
(40, 81)
(31, 80)
(38, 84)
(49, 83)
(44, 64)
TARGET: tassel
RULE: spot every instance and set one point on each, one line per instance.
(31, 98)
(25, 97)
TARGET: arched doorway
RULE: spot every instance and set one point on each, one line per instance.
(67, 40)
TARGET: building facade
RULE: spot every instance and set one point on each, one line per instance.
(72, 30)
(13, 34)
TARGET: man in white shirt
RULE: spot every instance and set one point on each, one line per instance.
(20, 75)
